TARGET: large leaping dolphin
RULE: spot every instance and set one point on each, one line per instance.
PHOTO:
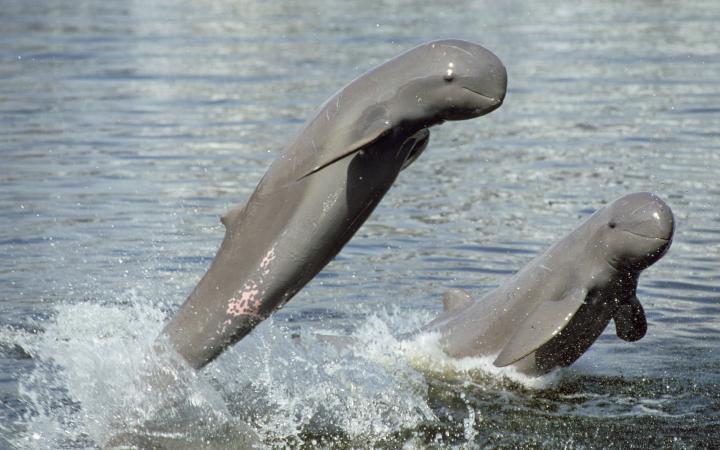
(321, 189)
(550, 312)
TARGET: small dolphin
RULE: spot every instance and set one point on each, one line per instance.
(320, 190)
(550, 312)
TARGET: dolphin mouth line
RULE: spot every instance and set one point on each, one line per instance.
(657, 238)
(492, 100)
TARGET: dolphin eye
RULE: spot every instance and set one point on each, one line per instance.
(612, 224)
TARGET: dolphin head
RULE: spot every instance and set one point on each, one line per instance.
(452, 80)
(635, 230)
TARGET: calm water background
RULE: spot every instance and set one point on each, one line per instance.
(128, 128)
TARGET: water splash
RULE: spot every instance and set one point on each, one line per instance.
(293, 388)
(100, 378)
(426, 353)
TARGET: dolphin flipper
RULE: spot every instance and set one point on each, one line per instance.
(419, 141)
(378, 125)
(456, 299)
(630, 322)
(541, 325)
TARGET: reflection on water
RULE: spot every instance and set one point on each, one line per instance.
(129, 128)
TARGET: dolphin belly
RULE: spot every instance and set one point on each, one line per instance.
(279, 242)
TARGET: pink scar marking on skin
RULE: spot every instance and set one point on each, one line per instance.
(249, 300)
(265, 263)
(247, 303)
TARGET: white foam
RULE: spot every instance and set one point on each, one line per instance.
(304, 384)
(98, 376)
(425, 352)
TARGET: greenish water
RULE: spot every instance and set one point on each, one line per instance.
(127, 129)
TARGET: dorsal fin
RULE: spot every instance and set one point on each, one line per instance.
(630, 322)
(456, 299)
(232, 215)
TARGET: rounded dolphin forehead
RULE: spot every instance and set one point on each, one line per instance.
(641, 204)
(463, 58)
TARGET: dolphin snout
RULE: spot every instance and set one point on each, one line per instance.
(497, 78)
(495, 86)
(664, 220)
(500, 89)
(489, 101)
(652, 219)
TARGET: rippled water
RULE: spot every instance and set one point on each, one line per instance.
(128, 128)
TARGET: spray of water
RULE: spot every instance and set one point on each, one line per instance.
(100, 378)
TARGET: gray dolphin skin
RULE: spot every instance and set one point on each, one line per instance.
(320, 190)
(550, 312)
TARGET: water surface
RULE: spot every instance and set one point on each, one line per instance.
(127, 129)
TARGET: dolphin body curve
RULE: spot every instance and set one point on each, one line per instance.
(320, 190)
(551, 311)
